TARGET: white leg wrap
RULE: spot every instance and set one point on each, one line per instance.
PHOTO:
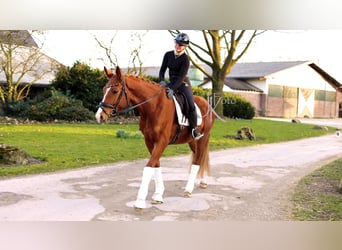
(192, 178)
(159, 185)
(143, 190)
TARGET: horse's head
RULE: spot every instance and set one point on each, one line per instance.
(114, 95)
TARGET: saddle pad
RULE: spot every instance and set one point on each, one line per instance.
(182, 120)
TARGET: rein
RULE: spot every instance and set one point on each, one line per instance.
(128, 109)
(141, 103)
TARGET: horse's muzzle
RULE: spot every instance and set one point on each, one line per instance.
(99, 116)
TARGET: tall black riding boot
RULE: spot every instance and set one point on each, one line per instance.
(193, 125)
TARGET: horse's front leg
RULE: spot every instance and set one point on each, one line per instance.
(140, 202)
(157, 197)
(152, 171)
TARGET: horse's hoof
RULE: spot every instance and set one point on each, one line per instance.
(138, 209)
(139, 204)
(155, 202)
(203, 185)
(187, 194)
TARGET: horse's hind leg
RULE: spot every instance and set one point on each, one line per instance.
(191, 180)
(200, 164)
(202, 155)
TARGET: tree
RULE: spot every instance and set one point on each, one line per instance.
(109, 49)
(22, 64)
(135, 56)
(81, 82)
(135, 61)
(220, 50)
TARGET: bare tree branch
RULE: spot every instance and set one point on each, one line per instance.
(23, 63)
(110, 54)
(135, 59)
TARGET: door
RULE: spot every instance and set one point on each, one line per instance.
(306, 102)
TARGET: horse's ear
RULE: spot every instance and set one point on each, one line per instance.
(108, 72)
(118, 73)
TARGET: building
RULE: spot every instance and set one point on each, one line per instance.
(286, 89)
(29, 65)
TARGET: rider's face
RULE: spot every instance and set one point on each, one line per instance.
(179, 48)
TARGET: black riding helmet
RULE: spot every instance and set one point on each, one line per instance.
(182, 39)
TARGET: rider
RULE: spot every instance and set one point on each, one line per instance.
(178, 63)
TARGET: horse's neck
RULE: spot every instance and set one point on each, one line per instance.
(141, 90)
(151, 101)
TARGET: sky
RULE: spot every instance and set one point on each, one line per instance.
(321, 46)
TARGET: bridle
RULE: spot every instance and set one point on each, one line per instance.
(122, 93)
(118, 100)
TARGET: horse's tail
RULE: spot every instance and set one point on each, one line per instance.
(201, 155)
(203, 148)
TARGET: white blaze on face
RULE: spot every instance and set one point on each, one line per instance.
(98, 115)
(100, 110)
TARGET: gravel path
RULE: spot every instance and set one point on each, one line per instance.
(247, 184)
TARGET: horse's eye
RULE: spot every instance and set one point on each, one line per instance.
(115, 91)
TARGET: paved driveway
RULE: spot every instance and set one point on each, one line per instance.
(250, 183)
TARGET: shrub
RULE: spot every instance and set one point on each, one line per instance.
(126, 135)
(75, 112)
(59, 106)
(151, 78)
(82, 82)
(122, 134)
(201, 92)
(234, 106)
(18, 109)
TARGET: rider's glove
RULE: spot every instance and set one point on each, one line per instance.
(169, 92)
(162, 83)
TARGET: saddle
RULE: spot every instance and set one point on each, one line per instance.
(182, 109)
(183, 102)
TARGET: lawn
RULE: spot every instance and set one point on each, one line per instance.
(318, 196)
(67, 146)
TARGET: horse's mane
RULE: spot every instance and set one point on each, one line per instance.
(143, 79)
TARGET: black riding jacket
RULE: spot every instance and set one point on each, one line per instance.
(178, 69)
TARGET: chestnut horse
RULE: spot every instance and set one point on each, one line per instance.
(159, 125)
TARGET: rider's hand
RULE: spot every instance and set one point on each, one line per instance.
(169, 92)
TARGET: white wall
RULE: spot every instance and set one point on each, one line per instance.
(302, 76)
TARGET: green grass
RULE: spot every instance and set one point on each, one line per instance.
(318, 196)
(67, 146)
